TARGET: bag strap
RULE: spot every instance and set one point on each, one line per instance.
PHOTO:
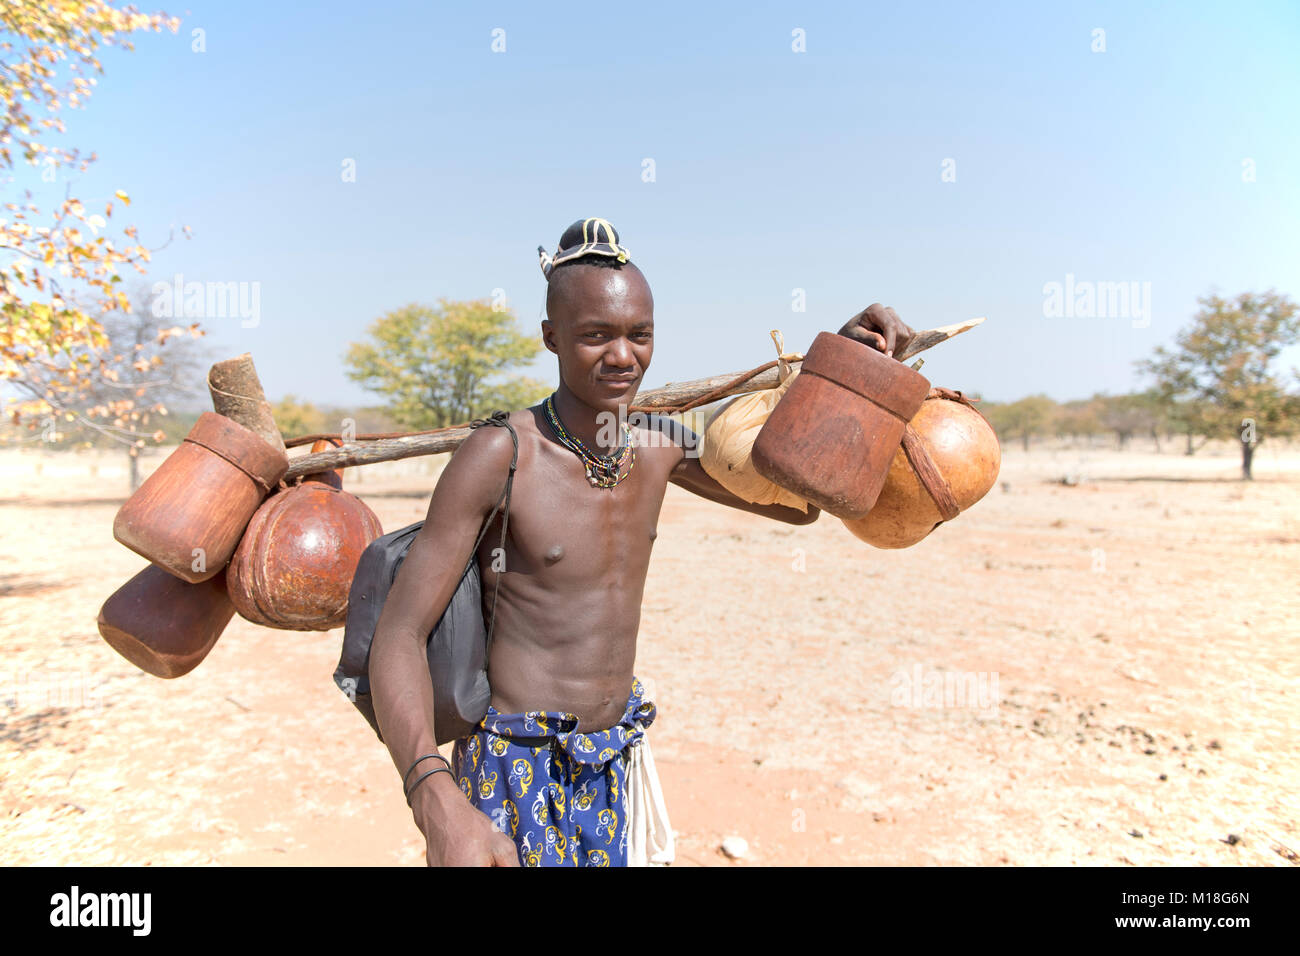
(498, 417)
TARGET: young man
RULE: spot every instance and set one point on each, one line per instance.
(543, 780)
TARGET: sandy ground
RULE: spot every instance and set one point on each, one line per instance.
(1104, 673)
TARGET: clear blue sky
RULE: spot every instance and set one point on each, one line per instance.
(775, 170)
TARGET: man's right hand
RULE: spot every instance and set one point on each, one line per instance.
(457, 833)
(880, 328)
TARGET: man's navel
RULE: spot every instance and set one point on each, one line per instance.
(556, 552)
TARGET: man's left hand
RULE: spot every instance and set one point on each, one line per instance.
(879, 327)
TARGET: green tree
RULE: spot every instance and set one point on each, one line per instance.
(1155, 415)
(1128, 415)
(295, 418)
(1022, 419)
(1220, 375)
(446, 365)
(1185, 417)
(1079, 418)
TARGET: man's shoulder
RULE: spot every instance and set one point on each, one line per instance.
(493, 446)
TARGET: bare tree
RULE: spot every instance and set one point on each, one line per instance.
(130, 386)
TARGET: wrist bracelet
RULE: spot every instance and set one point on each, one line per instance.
(421, 779)
(434, 756)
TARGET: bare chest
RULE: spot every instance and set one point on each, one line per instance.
(563, 528)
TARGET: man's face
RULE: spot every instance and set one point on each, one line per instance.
(601, 325)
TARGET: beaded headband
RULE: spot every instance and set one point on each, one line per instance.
(586, 237)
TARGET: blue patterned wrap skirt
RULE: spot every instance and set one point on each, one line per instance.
(562, 799)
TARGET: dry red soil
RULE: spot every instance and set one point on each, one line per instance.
(1134, 637)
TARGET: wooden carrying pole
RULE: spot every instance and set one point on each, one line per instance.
(670, 396)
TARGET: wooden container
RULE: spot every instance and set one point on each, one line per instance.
(163, 625)
(831, 438)
(188, 515)
(294, 567)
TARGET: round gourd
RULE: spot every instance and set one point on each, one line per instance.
(964, 449)
(294, 566)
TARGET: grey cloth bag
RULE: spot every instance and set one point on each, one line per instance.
(458, 644)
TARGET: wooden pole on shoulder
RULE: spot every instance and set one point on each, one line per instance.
(669, 396)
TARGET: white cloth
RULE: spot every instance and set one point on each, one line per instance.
(650, 838)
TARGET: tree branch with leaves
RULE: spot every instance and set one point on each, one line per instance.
(58, 275)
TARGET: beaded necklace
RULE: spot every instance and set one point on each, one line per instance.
(603, 471)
